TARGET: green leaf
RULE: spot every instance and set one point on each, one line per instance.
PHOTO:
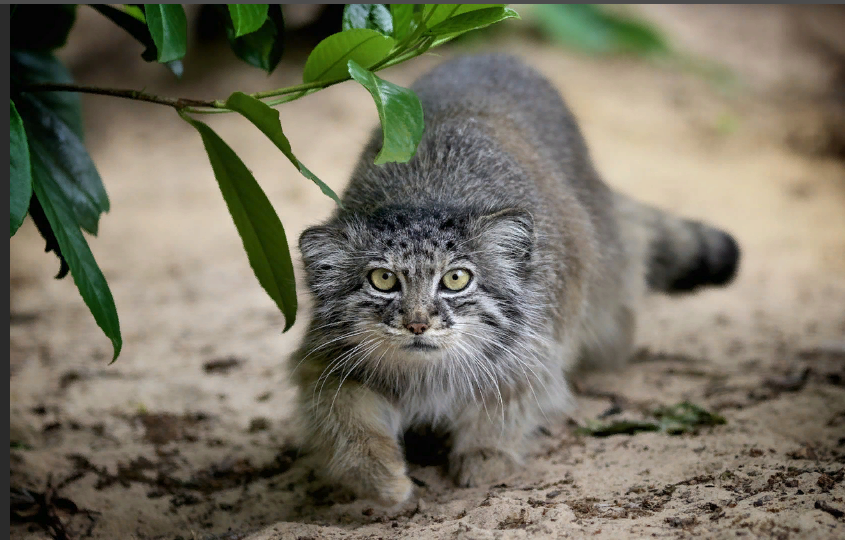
(472, 20)
(41, 27)
(264, 47)
(39, 67)
(621, 427)
(132, 20)
(434, 14)
(372, 16)
(403, 20)
(686, 417)
(677, 419)
(247, 18)
(169, 29)
(58, 153)
(593, 29)
(134, 12)
(134, 23)
(327, 62)
(258, 225)
(86, 274)
(268, 121)
(20, 170)
(36, 213)
(400, 113)
(53, 124)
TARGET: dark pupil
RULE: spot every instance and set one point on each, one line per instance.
(384, 276)
(454, 277)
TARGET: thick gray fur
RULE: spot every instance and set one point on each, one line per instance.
(502, 185)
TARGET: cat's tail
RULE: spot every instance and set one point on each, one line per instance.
(679, 255)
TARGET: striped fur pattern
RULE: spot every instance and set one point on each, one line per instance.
(502, 187)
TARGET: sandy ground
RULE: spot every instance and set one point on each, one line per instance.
(187, 436)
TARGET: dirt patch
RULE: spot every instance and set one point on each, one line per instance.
(221, 366)
(824, 507)
(50, 512)
(182, 438)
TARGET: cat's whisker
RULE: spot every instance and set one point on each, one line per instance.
(520, 362)
(493, 379)
(340, 357)
(325, 345)
(337, 364)
(362, 358)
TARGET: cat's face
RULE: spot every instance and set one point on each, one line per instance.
(420, 284)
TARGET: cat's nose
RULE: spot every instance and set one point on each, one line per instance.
(417, 327)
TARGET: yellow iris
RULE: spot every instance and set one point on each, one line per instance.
(457, 279)
(383, 279)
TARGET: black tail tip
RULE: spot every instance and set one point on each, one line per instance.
(724, 260)
(717, 263)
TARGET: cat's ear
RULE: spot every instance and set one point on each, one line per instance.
(318, 245)
(509, 233)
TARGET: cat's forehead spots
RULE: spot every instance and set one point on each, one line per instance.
(413, 232)
(415, 242)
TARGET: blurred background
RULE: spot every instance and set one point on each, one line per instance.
(791, 54)
(731, 114)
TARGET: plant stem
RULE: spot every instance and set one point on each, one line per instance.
(176, 103)
(317, 85)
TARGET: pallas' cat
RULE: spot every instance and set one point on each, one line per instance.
(458, 289)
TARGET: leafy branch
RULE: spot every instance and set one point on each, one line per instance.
(176, 103)
(55, 182)
(200, 106)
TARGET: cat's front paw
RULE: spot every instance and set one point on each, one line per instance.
(480, 467)
(395, 491)
(384, 481)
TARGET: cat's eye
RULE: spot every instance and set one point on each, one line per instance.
(383, 279)
(457, 279)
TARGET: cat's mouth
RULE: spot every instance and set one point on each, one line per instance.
(419, 344)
